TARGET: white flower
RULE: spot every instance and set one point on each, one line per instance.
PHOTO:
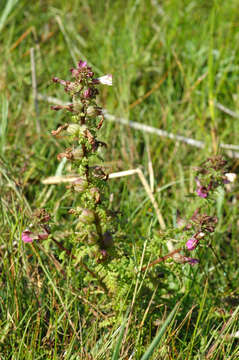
(105, 80)
(200, 235)
(231, 177)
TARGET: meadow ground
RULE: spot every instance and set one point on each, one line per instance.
(175, 67)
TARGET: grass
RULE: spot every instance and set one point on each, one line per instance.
(187, 52)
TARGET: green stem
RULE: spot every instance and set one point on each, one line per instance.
(221, 264)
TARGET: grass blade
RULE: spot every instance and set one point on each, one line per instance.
(9, 5)
(3, 124)
(120, 339)
(156, 340)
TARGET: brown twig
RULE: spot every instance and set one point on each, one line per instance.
(163, 258)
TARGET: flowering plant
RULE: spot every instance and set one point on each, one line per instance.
(93, 223)
(87, 118)
(209, 176)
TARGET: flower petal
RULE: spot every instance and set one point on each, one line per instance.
(26, 238)
(230, 177)
(105, 80)
(192, 243)
(202, 192)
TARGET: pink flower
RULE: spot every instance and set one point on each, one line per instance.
(192, 243)
(82, 68)
(26, 236)
(201, 190)
(87, 93)
(81, 64)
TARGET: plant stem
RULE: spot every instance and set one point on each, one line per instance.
(221, 264)
(163, 258)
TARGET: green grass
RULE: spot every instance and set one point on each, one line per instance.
(193, 45)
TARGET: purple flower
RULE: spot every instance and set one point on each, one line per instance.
(26, 236)
(60, 81)
(201, 190)
(191, 261)
(87, 93)
(69, 85)
(192, 243)
(82, 69)
(81, 64)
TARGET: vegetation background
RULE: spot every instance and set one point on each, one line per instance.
(175, 66)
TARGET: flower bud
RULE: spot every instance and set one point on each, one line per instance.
(200, 235)
(76, 129)
(93, 111)
(87, 216)
(80, 185)
(191, 261)
(77, 106)
(95, 194)
(107, 239)
(87, 93)
(78, 153)
(73, 129)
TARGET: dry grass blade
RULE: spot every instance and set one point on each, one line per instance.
(21, 38)
(229, 148)
(150, 167)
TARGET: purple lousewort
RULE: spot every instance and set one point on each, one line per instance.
(192, 243)
(27, 236)
(202, 191)
(87, 119)
(87, 93)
